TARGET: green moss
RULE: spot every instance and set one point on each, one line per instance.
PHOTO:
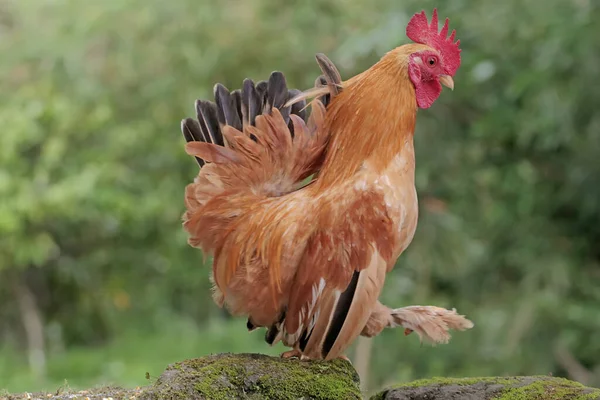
(250, 376)
(458, 381)
(62, 393)
(439, 381)
(496, 388)
(332, 380)
(549, 388)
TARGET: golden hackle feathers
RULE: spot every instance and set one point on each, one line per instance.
(373, 115)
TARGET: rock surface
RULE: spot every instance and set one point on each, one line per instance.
(255, 376)
(490, 388)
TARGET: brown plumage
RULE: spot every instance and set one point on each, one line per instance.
(308, 261)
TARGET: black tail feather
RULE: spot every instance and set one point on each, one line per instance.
(332, 76)
(250, 325)
(236, 102)
(240, 107)
(192, 133)
(207, 114)
(227, 104)
(273, 331)
(261, 88)
(297, 108)
(277, 93)
(251, 103)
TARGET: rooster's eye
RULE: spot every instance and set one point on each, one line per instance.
(431, 61)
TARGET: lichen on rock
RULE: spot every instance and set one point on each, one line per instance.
(255, 376)
(490, 388)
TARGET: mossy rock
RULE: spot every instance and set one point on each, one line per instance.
(99, 393)
(255, 376)
(490, 388)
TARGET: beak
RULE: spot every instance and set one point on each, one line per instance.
(447, 81)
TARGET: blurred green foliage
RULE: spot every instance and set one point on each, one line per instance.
(92, 173)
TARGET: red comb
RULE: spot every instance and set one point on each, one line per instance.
(419, 31)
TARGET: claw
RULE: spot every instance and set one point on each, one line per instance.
(294, 353)
(343, 357)
(291, 354)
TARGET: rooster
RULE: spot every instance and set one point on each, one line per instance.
(304, 213)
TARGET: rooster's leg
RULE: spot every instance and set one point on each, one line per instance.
(429, 322)
(378, 321)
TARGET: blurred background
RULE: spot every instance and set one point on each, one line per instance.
(97, 282)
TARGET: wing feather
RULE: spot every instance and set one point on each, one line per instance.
(369, 285)
(348, 257)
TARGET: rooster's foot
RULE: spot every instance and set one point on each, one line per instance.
(291, 354)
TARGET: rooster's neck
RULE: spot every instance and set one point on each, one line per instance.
(370, 122)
